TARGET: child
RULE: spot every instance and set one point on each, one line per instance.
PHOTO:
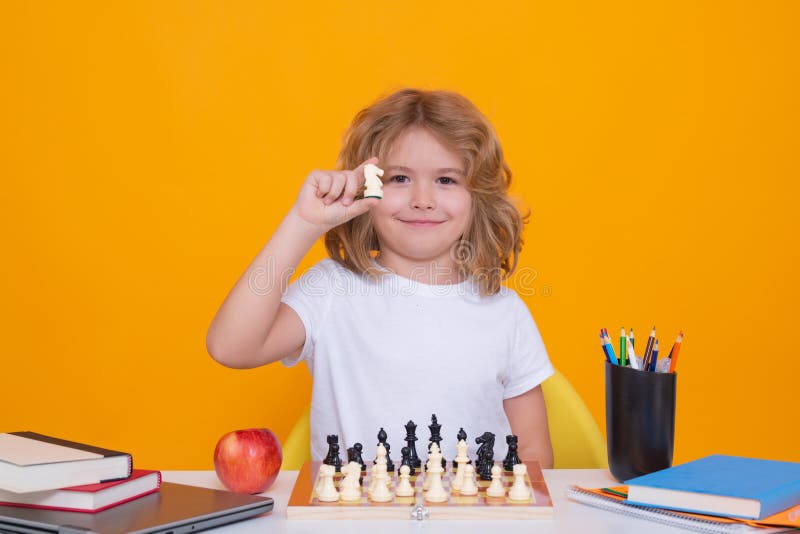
(408, 318)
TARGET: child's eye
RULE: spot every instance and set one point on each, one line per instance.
(446, 180)
(401, 179)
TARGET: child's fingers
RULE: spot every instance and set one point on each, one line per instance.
(338, 181)
(323, 181)
(354, 183)
(360, 206)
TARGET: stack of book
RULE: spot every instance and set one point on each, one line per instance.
(38, 471)
(717, 493)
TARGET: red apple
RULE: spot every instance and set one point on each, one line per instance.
(248, 461)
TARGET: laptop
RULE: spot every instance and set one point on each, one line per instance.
(175, 509)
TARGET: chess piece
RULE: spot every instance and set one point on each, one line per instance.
(327, 491)
(405, 455)
(512, 458)
(411, 437)
(496, 488)
(382, 441)
(380, 486)
(436, 491)
(485, 455)
(462, 436)
(469, 487)
(519, 490)
(350, 487)
(372, 182)
(460, 460)
(354, 455)
(332, 457)
(436, 436)
(404, 487)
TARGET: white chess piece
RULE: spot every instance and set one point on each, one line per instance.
(519, 490)
(436, 491)
(350, 488)
(461, 460)
(469, 487)
(496, 488)
(426, 480)
(380, 491)
(327, 491)
(404, 487)
(373, 184)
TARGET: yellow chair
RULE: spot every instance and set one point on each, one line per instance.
(576, 438)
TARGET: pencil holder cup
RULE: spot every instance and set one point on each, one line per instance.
(640, 420)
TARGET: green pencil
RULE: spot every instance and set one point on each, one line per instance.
(623, 344)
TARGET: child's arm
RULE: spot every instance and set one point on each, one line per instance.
(528, 417)
(252, 327)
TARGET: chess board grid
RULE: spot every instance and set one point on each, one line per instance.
(303, 503)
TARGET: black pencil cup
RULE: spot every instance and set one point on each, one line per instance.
(640, 420)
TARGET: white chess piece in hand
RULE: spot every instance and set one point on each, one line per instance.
(372, 182)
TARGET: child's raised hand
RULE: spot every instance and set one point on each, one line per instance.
(327, 198)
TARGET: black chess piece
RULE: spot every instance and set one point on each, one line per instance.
(382, 441)
(436, 437)
(512, 458)
(483, 465)
(411, 437)
(405, 459)
(333, 453)
(359, 458)
(354, 455)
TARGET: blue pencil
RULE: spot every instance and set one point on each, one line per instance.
(605, 350)
(654, 357)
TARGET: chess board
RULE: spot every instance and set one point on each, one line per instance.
(303, 503)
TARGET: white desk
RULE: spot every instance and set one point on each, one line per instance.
(568, 516)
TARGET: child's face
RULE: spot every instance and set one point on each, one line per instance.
(426, 206)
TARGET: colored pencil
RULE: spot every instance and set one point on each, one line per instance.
(673, 353)
(623, 342)
(654, 357)
(648, 351)
(632, 356)
(609, 347)
(631, 338)
(603, 346)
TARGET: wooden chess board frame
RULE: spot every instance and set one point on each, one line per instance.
(303, 503)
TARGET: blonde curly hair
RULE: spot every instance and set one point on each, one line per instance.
(489, 249)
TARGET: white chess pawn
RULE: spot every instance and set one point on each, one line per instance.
(461, 460)
(496, 488)
(327, 491)
(404, 487)
(373, 184)
(436, 491)
(469, 487)
(350, 488)
(519, 490)
(381, 493)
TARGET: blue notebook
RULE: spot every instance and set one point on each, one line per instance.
(721, 485)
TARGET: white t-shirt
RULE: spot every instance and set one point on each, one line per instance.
(384, 352)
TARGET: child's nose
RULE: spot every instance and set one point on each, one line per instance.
(422, 197)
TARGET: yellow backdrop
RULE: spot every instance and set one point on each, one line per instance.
(149, 149)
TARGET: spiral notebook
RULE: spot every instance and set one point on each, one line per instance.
(610, 499)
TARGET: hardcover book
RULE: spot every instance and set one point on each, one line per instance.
(35, 462)
(722, 485)
(88, 498)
